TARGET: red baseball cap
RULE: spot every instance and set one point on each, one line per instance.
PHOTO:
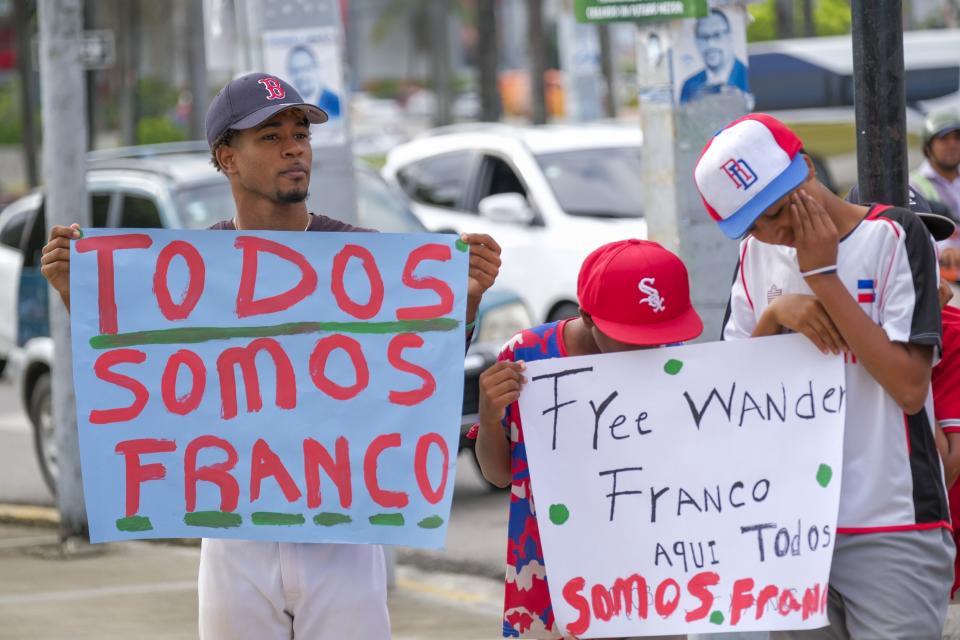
(638, 293)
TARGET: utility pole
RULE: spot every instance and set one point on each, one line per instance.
(21, 18)
(197, 69)
(538, 62)
(880, 100)
(62, 91)
(488, 60)
(438, 12)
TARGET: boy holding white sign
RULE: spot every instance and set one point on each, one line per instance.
(633, 294)
(861, 281)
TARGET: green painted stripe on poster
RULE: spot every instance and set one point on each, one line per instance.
(213, 519)
(192, 335)
(277, 519)
(387, 519)
(134, 523)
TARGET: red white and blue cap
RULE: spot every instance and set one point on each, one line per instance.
(745, 168)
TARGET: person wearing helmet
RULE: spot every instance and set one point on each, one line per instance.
(938, 180)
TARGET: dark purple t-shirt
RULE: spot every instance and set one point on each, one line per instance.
(318, 222)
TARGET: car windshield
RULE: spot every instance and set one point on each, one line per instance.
(200, 206)
(598, 183)
(382, 209)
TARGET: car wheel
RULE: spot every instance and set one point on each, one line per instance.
(44, 440)
(563, 311)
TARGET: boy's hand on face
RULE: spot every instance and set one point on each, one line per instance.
(499, 387)
(804, 314)
(55, 259)
(815, 235)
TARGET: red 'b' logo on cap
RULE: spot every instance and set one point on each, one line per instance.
(274, 88)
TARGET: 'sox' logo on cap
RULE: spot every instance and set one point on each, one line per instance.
(740, 172)
(275, 90)
(653, 298)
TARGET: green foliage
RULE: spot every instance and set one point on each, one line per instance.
(11, 127)
(832, 18)
(154, 129)
(156, 97)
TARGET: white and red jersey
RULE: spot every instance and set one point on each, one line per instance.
(892, 477)
(946, 375)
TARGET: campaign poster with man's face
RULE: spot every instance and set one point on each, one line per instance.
(710, 54)
(310, 60)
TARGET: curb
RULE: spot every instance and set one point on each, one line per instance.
(29, 515)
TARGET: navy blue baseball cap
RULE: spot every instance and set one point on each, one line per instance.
(939, 226)
(250, 100)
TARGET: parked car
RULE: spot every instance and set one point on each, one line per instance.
(174, 186)
(548, 194)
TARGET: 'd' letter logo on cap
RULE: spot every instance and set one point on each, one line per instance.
(274, 88)
(740, 172)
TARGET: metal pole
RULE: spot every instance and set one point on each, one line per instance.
(880, 100)
(62, 91)
(21, 17)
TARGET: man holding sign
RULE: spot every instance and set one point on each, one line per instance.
(258, 128)
(861, 281)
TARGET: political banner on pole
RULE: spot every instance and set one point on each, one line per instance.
(689, 489)
(268, 385)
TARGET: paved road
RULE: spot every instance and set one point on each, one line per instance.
(22, 482)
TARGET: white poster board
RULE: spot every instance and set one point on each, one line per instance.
(710, 54)
(310, 60)
(688, 489)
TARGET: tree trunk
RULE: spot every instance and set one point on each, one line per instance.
(22, 12)
(538, 62)
(129, 63)
(196, 69)
(606, 67)
(809, 21)
(487, 60)
(785, 21)
(439, 16)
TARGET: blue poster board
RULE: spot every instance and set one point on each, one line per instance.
(269, 385)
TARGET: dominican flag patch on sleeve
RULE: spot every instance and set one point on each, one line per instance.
(865, 291)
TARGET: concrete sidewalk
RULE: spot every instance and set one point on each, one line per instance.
(148, 590)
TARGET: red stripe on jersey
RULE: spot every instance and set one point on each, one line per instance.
(743, 279)
(877, 210)
(926, 526)
(865, 297)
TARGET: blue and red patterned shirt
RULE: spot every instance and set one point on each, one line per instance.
(527, 611)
